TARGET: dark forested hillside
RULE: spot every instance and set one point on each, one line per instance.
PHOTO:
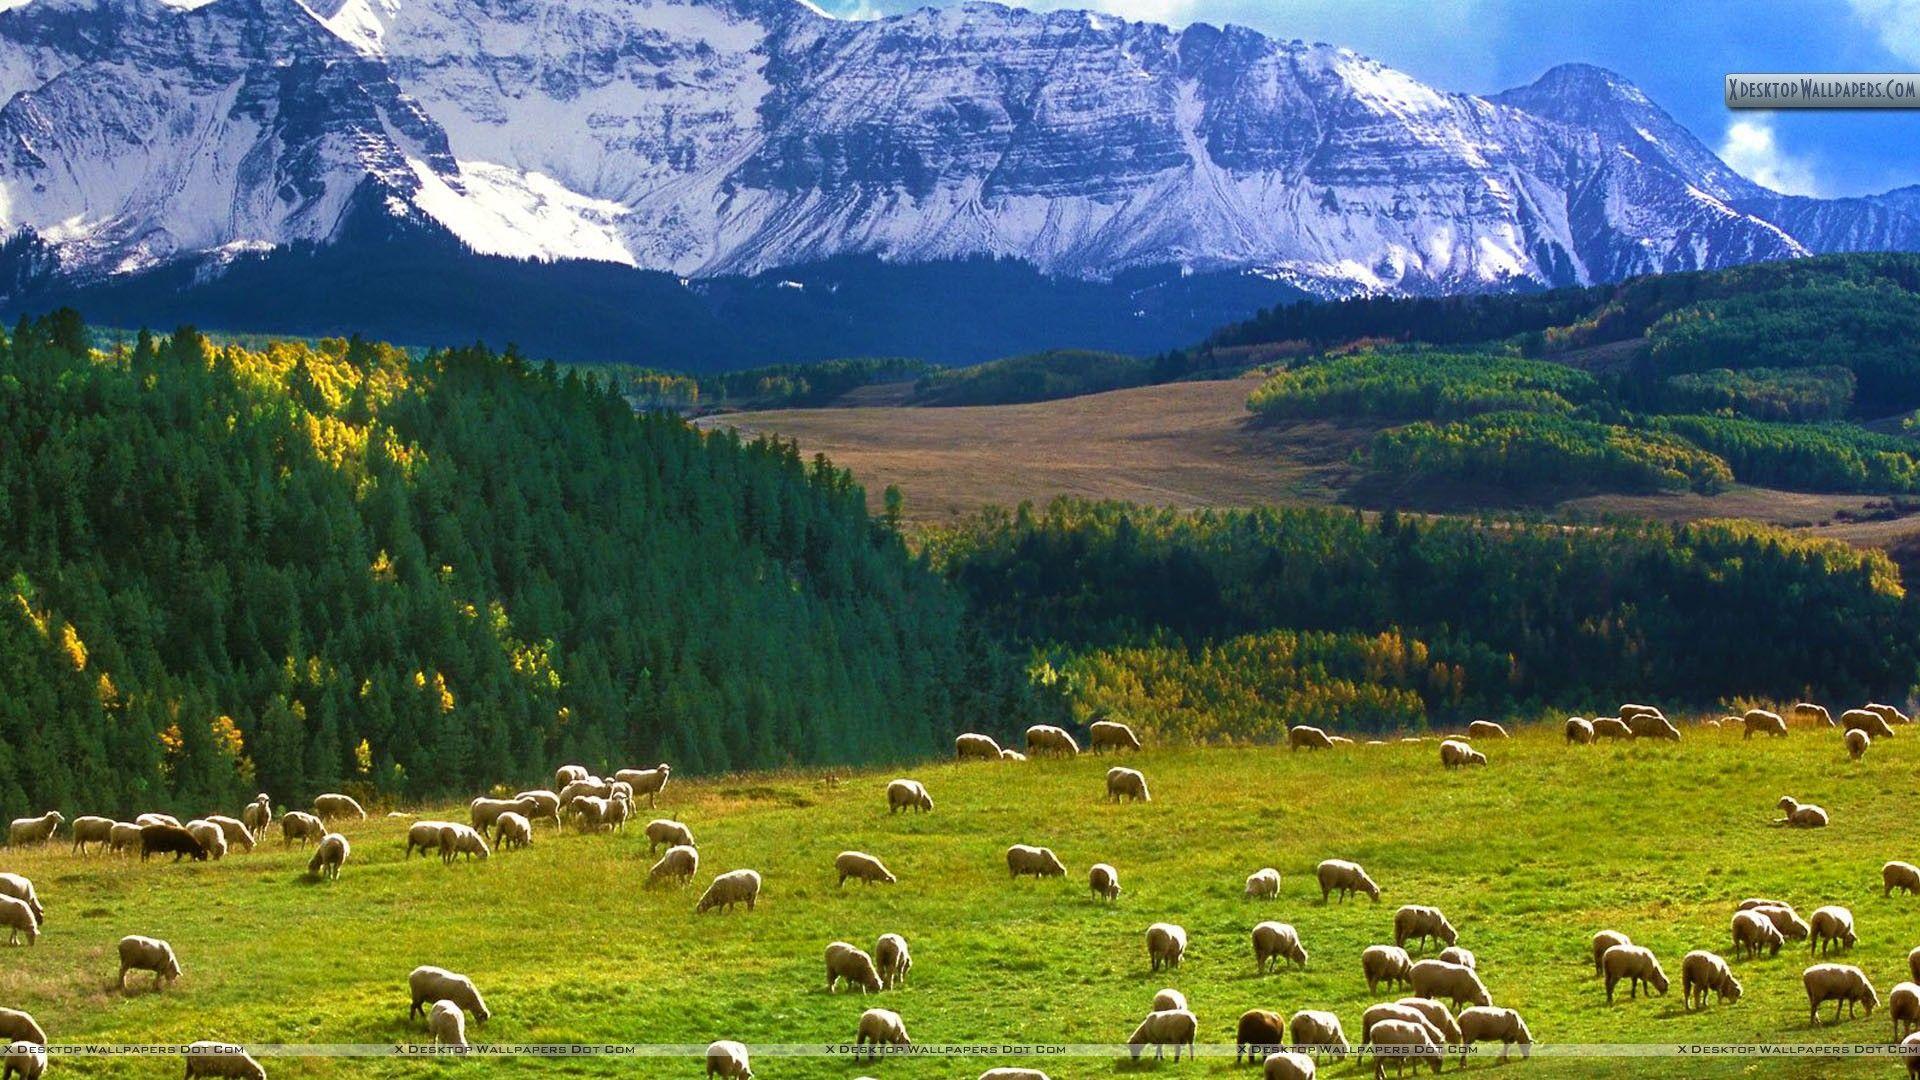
(302, 568)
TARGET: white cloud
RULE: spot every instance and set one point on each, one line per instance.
(1754, 152)
(1895, 22)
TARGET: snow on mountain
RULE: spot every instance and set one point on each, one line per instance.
(721, 136)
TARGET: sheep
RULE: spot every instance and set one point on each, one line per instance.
(1424, 923)
(235, 830)
(147, 819)
(589, 812)
(1318, 1031)
(1259, 1032)
(1454, 753)
(1753, 931)
(1305, 735)
(16, 916)
(1857, 743)
(1104, 882)
(258, 814)
(1634, 964)
(1486, 729)
(34, 830)
(1410, 1042)
(1801, 815)
(1903, 1008)
(567, 774)
(851, 963)
(1273, 941)
(1829, 926)
(908, 795)
(1437, 1014)
(1485, 1023)
(649, 782)
(671, 833)
(124, 836)
(1345, 878)
(1128, 784)
(1913, 964)
(680, 863)
(210, 837)
(421, 835)
(971, 745)
(619, 809)
(1010, 754)
(1628, 712)
(21, 889)
(88, 829)
(1263, 884)
(1701, 972)
(1439, 979)
(1579, 731)
(484, 812)
(302, 826)
(1838, 983)
(1868, 721)
(1169, 998)
(1048, 739)
(329, 856)
(16, 1026)
(1008, 1072)
(1287, 1065)
(1910, 1049)
(1166, 945)
(1169, 1027)
(1602, 941)
(1813, 714)
(881, 1027)
(862, 867)
(1763, 722)
(893, 959)
(1899, 875)
(1454, 954)
(1611, 727)
(1381, 1013)
(1385, 964)
(730, 888)
(465, 842)
(447, 1023)
(427, 983)
(147, 954)
(728, 1060)
(1035, 861)
(591, 787)
(545, 805)
(512, 830)
(1651, 725)
(1102, 734)
(27, 1060)
(1889, 713)
(335, 805)
(171, 838)
(206, 1058)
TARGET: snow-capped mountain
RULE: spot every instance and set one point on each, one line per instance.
(710, 137)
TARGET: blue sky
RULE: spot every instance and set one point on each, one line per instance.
(1676, 50)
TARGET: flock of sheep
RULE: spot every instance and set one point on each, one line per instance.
(1448, 1003)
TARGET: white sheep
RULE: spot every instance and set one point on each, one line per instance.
(335, 805)
(88, 829)
(1651, 725)
(1263, 884)
(567, 774)
(512, 830)
(1801, 815)
(1013, 1072)
(1838, 983)
(881, 1027)
(1388, 964)
(1754, 931)
(591, 787)
(1831, 925)
(1405, 1042)
(972, 745)
(861, 867)
(851, 963)
(1813, 714)
(893, 960)
(26, 1060)
(1611, 727)
(123, 837)
(1102, 734)
(1579, 731)
(908, 795)
(1763, 722)
(21, 889)
(728, 1060)
(1453, 982)
(465, 843)
(147, 954)
(649, 782)
(1168, 998)
(34, 830)
(302, 826)
(1273, 941)
(483, 812)
(1104, 882)
(17, 918)
(1309, 737)
(1048, 739)
(1454, 954)
(1437, 1014)
(1288, 1065)
(1485, 1023)
(1701, 972)
(1634, 964)
(207, 1058)
(210, 836)
(1889, 713)
(680, 863)
(671, 833)
(447, 1023)
(423, 836)
(427, 983)
(1033, 861)
(258, 814)
(730, 888)
(1903, 1008)
(1166, 945)
(1170, 1027)
(1319, 1032)
(1454, 753)
(1345, 878)
(151, 818)
(329, 856)
(1486, 729)
(1128, 784)
(1010, 754)
(1858, 742)
(17, 1026)
(1419, 922)
(1868, 721)
(1899, 875)
(545, 805)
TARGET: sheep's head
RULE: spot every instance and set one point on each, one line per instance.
(1789, 803)
(1732, 990)
(1656, 979)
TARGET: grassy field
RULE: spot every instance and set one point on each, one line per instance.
(1528, 856)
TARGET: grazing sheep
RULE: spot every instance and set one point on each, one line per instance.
(1102, 734)
(671, 833)
(1263, 884)
(649, 782)
(881, 1027)
(1035, 861)
(1838, 983)
(545, 805)
(1409, 1042)
(147, 819)
(464, 842)
(27, 1060)
(335, 805)
(1763, 722)
(1801, 815)
(619, 809)
(210, 837)
(34, 830)
(1048, 739)
(1437, 1014)
(1166, 945)
(1899, 875)
(147, 954)
(1273, 941)
(1169, 998)
(512, 830)
(851, 963)
(221, 1059)
(892, 958)
(447, 1023)
(1910, 1049)
(176, 839)
(16, 1026)
(1319, 1031)
(1305, 735)
(1260, 1032)
(421, 835)
(1829, 926)
(1814, 714)
(235, 830)
(1287, 1065)
(124, 836)
(1454, 753)
(302, 826)
(1579, 731)
(908, 795)
(1889, 713)
(91, 830)
(1345, 878)
(1010, 754)
(329, 856)
(1634, 964)
(16, 916)
(567, 774)
(730, 888)
(1385, 1011)
(1651, 725)
(428, 984)
(258, 814)
(1104, 881)
(1857, 743)
(1128, 784)
(728, 1060)
(1388, 964)
(1484, 1023)
(1868, 721)
(680, 863)
(21, 889)
(1611, 727)
(971, 745)
(862, 867)
(1416, 921)
(1169, 1027)
(1439, 979)
(1602, 941)
(1008, 1072)
(1753, 931)
(591, 787)
(1701, 972)
(484, 812)
(589, 812)
(1627, 712)
(1486, 729)
(1903, 1008)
